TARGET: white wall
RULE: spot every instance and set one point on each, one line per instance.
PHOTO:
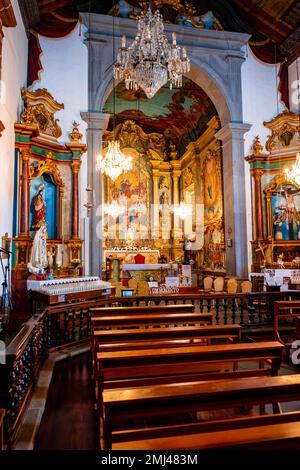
(65, 75)
(260, 103)
(14, 76)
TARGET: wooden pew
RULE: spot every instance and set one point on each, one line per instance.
(289, 309)
(159, 319)
(143, 309)
(146, 403)
(121, 369)
(108, 340)
(264, 433)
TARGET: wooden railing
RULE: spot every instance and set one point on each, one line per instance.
(70, 323)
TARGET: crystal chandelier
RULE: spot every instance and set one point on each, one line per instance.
(114, 163)
(294, 173)
(150, 62)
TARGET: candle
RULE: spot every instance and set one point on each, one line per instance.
(124, 41)
(184, 53)
(174, 39)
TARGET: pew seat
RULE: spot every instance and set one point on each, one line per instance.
(145, 404)
(126, 321)
(280, 432)
(143, 309)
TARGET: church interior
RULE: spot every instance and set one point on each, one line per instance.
(150, 225)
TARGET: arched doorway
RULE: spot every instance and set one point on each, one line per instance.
(174, 193)
(216, 58)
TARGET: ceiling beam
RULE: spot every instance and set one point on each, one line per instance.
(7, 14)
(30, 13)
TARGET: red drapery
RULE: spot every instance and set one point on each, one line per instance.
(52, 25)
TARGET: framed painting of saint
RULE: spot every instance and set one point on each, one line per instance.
(283, 205)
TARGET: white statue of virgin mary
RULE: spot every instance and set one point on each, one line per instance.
(38, 258)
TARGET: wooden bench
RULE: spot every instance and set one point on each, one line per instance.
(290, 310)
(147, 403)
(107, 340)
(121, 369)
(263, 433)
(144, 309)
(159, 319)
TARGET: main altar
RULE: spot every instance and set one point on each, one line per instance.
(157, 209)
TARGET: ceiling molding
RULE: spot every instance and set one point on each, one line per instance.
(7, 14)
(30, 13)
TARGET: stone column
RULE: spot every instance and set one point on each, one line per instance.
(75, 199)
(97, 124)
(235, 219)
(258, 214)
(24, 213)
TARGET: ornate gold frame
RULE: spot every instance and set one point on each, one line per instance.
(280, 179)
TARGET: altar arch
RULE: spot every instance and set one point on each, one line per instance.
(216, 58)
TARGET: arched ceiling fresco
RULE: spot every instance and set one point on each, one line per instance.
(180, 114)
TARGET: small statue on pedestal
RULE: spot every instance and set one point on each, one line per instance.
(38, 258)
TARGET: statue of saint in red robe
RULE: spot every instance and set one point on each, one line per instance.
(39, 204)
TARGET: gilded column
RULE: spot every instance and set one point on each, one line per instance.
(75, 199)
(258, 207)
(24, 218)
(155, 231)
(176, 227)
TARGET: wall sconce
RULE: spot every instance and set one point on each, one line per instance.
(90, 199)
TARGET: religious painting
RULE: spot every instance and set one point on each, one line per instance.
(44, 205)
(285, 212)
(181, 115)
(213, 247)
(212, 185)
(164, 185)
(130, 192)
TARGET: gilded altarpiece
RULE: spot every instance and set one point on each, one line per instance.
(135, 203)
(276, 195)
(144, 208)
(47, 189)
(202, 190)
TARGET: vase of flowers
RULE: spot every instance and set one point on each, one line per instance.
(75, 263)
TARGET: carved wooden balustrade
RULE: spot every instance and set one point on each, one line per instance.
(70, 323)
(24, 356)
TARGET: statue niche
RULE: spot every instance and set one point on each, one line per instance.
(46, 190)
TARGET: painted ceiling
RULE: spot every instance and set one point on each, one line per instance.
(180, 114)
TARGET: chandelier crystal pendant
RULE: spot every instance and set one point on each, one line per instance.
(114, 163)
(150, 62)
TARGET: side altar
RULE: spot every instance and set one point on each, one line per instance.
(46, 192)
(275, 178)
